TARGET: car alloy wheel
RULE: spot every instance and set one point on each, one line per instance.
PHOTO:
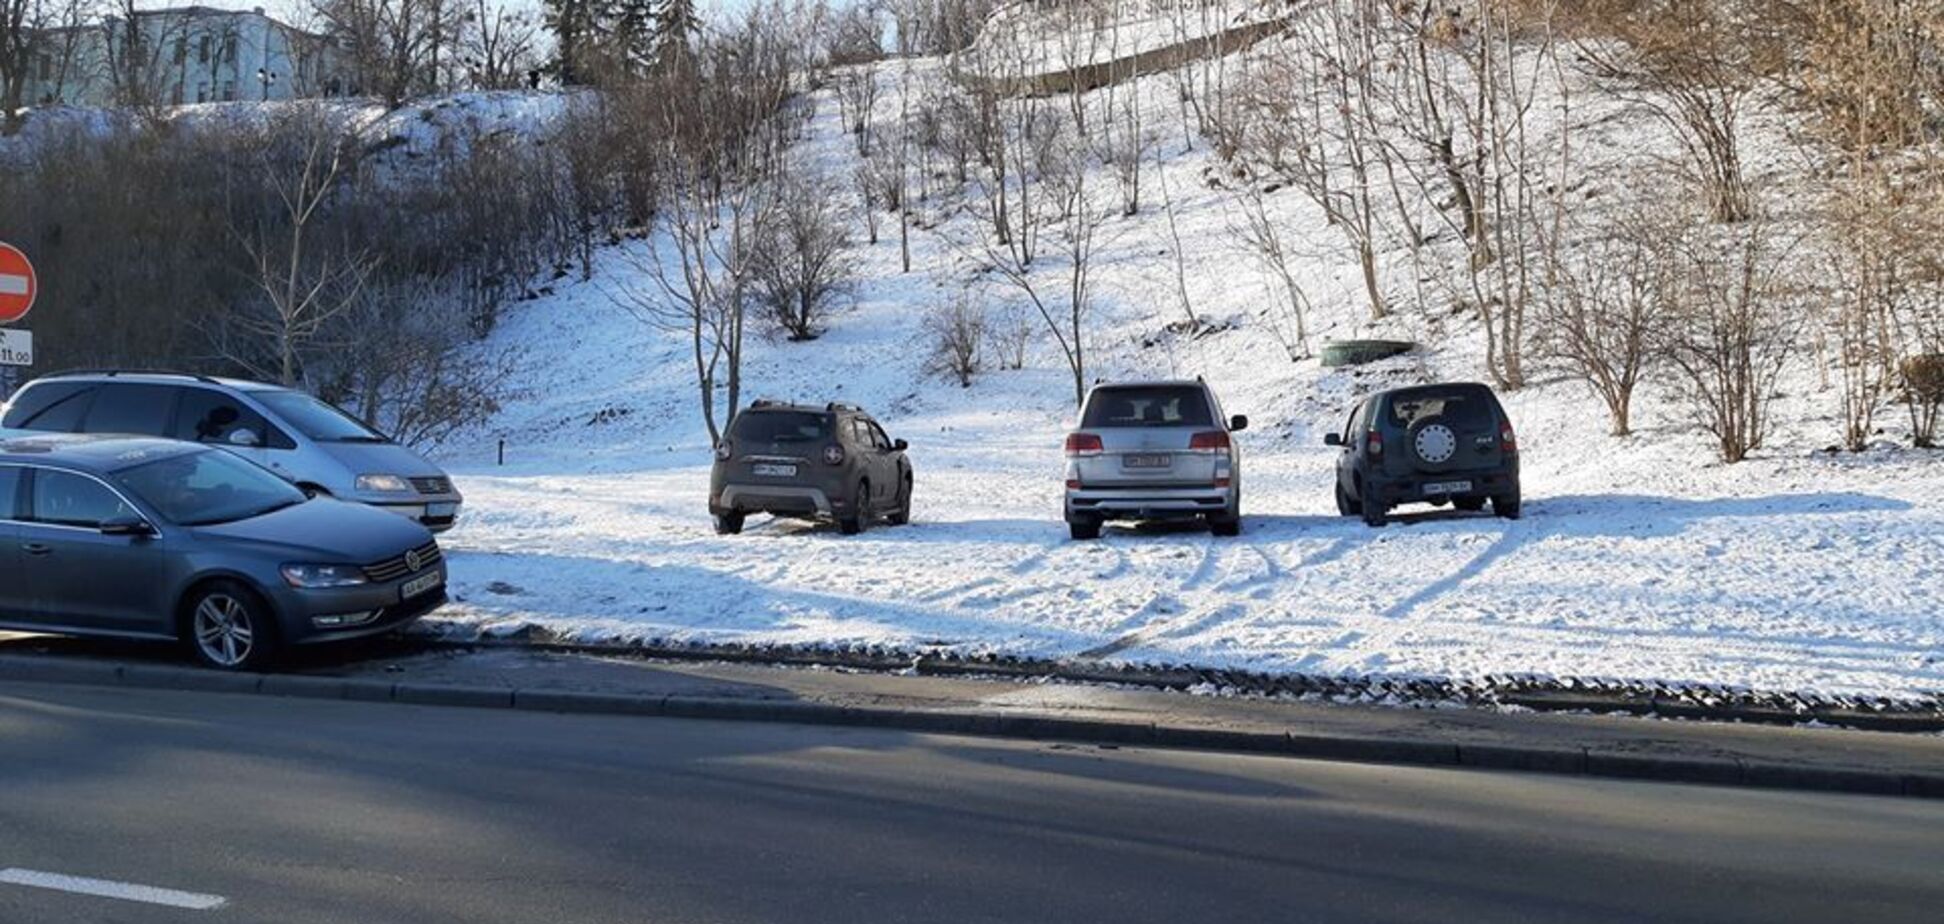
(225, 632)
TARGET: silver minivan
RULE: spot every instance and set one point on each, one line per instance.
(1153, 451)
(315, 446)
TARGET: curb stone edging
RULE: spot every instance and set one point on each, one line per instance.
(1390, 751)
(1923, 714)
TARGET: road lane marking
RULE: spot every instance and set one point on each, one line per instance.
(106, 888)
(13, 285)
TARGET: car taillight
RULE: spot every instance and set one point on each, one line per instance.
(1083, 444)
(1209, 441)
(722, 451)
(1508, 441)
(1073, 484)
(1375, 443)
(833, 454)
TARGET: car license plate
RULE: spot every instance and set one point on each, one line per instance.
(1447, 487)
(441, 509)
(419, 585)
(775, 471)
(1147, 460)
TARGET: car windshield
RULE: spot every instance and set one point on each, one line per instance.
(317, 419)
(781, 427)
(1466, 407)
(208, 487)
(1148, 406)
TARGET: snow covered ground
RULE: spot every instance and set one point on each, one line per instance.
(1637, 559)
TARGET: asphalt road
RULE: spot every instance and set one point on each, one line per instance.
(303, 810)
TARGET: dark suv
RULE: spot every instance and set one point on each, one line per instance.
(789, 460)
(1435, 444)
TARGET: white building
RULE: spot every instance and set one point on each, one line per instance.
(190, 54)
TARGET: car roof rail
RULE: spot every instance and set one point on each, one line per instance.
(111, 373)
(835, 406)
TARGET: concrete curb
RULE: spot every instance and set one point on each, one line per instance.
(1399, 751)
(1553, 695)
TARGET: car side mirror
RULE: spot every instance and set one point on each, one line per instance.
(246, 437)
(127, 526)
(1238, 423)
(900, 445)
(1332, 439)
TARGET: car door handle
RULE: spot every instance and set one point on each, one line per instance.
(36, 548)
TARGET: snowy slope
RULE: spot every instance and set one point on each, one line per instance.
(1636, 559)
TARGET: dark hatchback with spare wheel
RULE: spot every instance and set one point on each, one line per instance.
(1435, 444)
(156, 539)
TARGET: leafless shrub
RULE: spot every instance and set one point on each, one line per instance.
(957, 330)
(1011, 335)
(1262, 237)
(404, 364)
(1604, 310)
(802, 261)
(1924, 381)
(1731, 330)
(1695, 66)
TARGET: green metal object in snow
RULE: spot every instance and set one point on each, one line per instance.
(1358, 352)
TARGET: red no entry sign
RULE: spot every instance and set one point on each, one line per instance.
(17, 284)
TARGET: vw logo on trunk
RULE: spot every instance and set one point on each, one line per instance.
(412, 561)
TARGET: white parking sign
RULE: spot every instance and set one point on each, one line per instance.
(16, 348)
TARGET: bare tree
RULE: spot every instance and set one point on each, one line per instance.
(395, 44)
(1262, 237)
(957, 330)
(1731, 330)
(1604, 310)
(499, 46)
(303, 156)
(1695, 66)
(802, 261)
(22, 24)
(1304, 117)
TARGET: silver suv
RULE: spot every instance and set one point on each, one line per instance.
(1154, 451)
(315, 446)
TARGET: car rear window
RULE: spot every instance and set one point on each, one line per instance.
(780, 427)
(1148, 406)
(1467, 407)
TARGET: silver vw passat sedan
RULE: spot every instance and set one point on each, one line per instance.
(148, 538)
(1152, 451)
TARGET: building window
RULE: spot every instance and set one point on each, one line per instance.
(202, 49)
(202, 93)
(229, 49)
(229, 91)
(181, 48)
(47, 67)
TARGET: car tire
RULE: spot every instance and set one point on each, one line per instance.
(1469, 504)
(1225, 525)
(729, 524)
(860, 511)
(1346, 505)
(1373, 514)
(902, 515)
(229, 627)
(1506, 506)
(1084, 529)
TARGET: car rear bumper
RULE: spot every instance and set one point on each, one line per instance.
(762, 498)
(1145, 503)
(336, 614)
(1412, 489)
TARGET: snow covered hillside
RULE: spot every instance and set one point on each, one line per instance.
(1637, 558)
